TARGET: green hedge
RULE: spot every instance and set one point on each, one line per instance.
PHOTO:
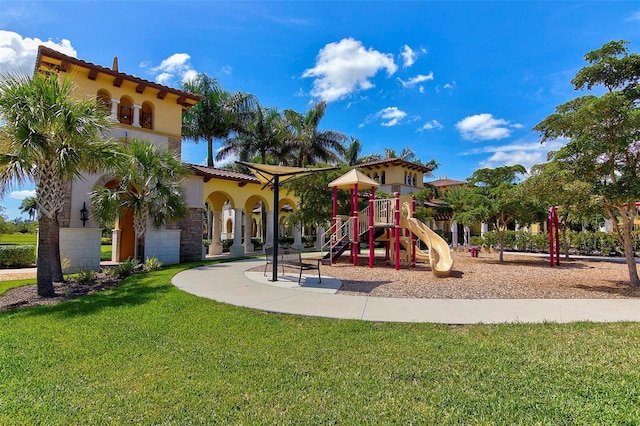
(582, 243)
(11, 256)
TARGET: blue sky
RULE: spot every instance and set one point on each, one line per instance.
(459, 82)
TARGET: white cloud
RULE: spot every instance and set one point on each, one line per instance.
(346, 67)
(21, 195)
(176, 66)
(450, 85)
(415, 80)
(634, 17)
(430, 125)
(408, 56)
(481, 127)
(227, 69)
(18, 54)
(391, 116)
(421, 89)
(524, 153)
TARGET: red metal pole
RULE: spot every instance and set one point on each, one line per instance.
(397, 229)
(557, 231)
(371, 242)
(355, 244)
(550, 233)
(413, 236)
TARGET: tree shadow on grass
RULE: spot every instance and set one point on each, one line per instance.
(127, 295)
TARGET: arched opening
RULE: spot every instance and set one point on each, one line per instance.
(124, 237)
(125, 110)
(104, 98)
(146, 115)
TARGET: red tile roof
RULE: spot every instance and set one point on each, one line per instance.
(394, 162)
(183, 96)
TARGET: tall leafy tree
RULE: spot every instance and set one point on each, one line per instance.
(258, 137)
(217, 115)
(149, 184)
(308, 144)
(49, 137)
(551, 184)
(493, 197)
(603, 135)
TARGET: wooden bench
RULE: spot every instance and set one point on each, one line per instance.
(292, 258)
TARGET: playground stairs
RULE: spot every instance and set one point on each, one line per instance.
(336, 252)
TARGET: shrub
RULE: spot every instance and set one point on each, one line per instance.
(152, 264)
(124, 269)
(226, 245)
(257, 243)
(105, 241)
(86, 276)
(17, 255)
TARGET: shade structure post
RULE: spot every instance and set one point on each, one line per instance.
(276, 215)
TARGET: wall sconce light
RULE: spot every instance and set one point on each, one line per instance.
(83, 214)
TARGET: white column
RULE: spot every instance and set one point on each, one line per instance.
(269, 238)
(248, 246)
(484, 228)
(237, 249)
(216, 247)
(454, 233)
(297, 238)
(467, 232)
(319, 241)
(136, 115)
(114, 108)
(115, 245)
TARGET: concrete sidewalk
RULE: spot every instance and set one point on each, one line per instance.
(232, 283)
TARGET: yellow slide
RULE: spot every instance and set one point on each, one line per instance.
(420, 255)
(440, 254)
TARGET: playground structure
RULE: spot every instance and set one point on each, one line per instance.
(394, 217)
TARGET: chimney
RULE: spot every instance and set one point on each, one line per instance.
(114, 67)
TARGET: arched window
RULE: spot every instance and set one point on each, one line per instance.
(125, 111)
(104, 98)
(146, 115)
(383, 177)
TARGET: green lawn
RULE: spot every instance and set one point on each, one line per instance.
(18, 239)
(105, 252)
(148, 353)
(6, 285)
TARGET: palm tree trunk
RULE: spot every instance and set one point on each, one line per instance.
(210, 152)
(48, 246)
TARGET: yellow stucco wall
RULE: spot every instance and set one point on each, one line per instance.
(244, 196)
(167, 113)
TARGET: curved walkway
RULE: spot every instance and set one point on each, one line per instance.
(232, 283)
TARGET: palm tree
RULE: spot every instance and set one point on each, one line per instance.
(216, 115)
(50, 138)
(310, 145)
(256, 138)
(150, 185)
(352, 154)
(29, 206)
(406, 153)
